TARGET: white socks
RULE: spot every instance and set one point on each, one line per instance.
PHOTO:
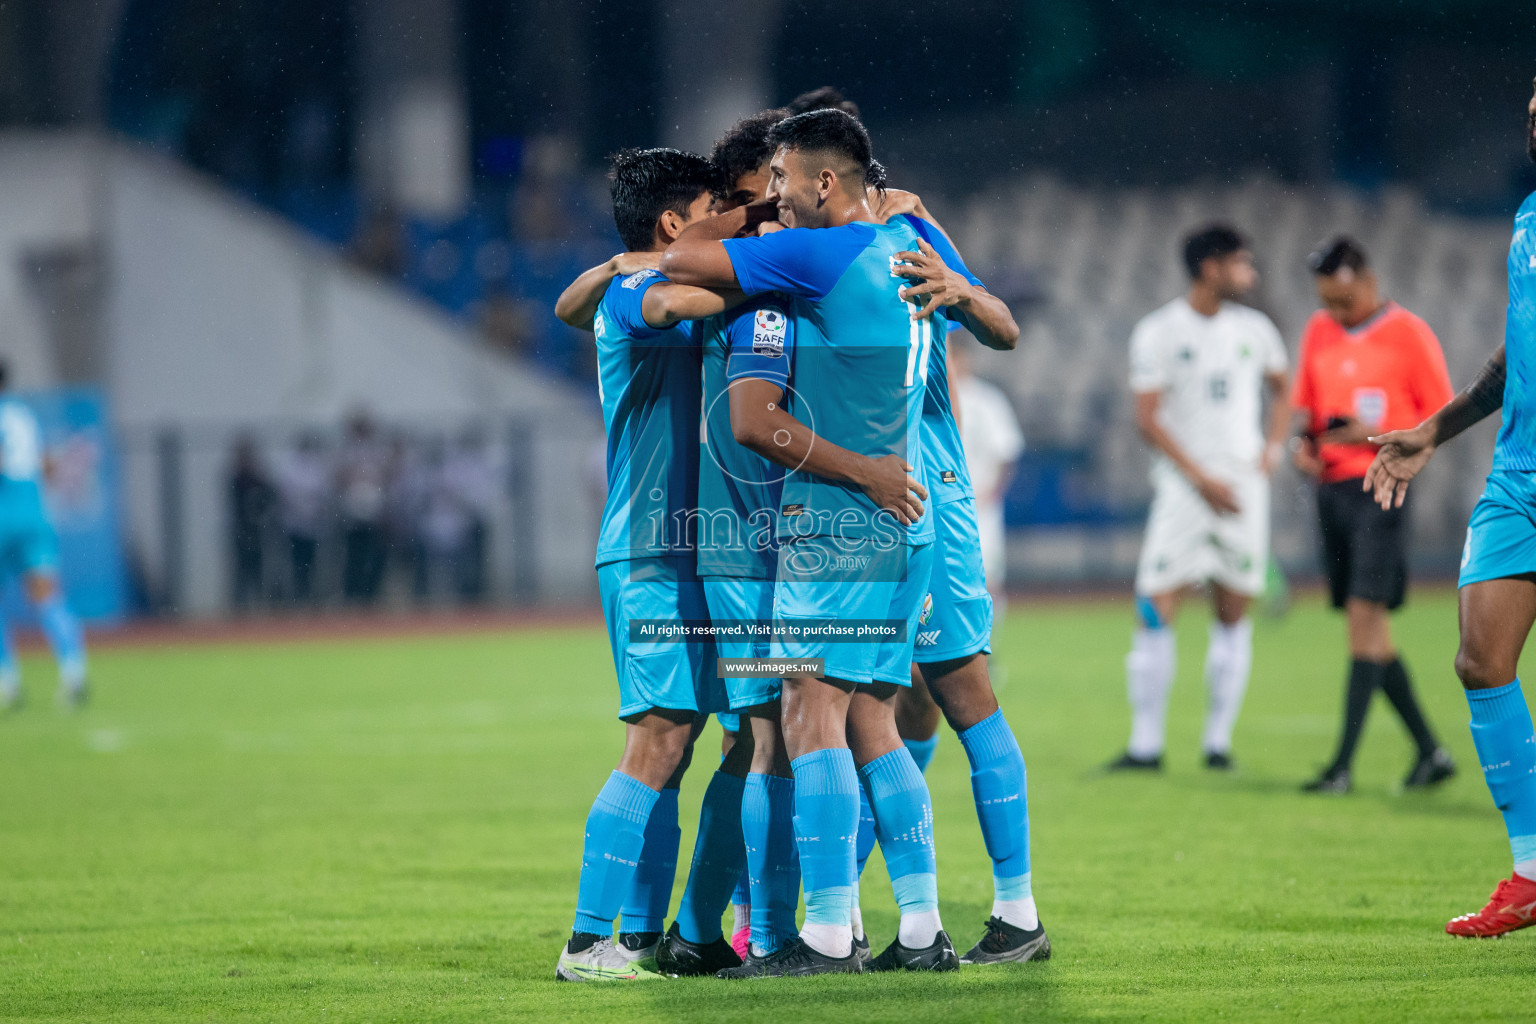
(1526, 869)
(919, 929)
(857, 919)
(1148, 678)
(1019, 913)
(828, 939)
(1227, 662)
(741, 917)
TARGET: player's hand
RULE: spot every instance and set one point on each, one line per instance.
(1400, 456)
(890, 485)
(768, 227)
(627, 263)
(1351, 431)
(896, 202)
(935, 284)
(1218, 495)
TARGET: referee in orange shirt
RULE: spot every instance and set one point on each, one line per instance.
(1366, 366)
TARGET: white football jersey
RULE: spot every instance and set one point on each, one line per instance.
(1210, 372)
(21, 442)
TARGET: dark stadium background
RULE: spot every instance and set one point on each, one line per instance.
(1407, 113)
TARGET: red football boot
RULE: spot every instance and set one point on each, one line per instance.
(1511, 907)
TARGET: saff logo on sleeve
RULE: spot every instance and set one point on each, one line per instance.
(769, 327)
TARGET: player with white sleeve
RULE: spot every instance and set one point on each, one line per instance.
(993, 441)
(1199, 369)
(29, 549)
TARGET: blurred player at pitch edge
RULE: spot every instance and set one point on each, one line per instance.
(1199, 367)
(1497, 596)
(1365, 366)
(29, 549)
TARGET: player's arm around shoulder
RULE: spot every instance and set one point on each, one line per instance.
(667, 304)
(699, 257)
(577, 305)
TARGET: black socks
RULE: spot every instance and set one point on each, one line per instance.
(1392, 678)
(1395, 684)
(1364, 677)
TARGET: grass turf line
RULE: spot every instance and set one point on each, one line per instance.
(390, 830)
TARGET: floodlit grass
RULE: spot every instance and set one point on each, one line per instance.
(390, 830)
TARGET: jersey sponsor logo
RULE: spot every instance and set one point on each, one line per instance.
(792, 510)
(636, 280)
(927, 612)
(949, 477)
(768, 329)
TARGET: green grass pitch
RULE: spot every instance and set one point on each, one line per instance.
(389, 830)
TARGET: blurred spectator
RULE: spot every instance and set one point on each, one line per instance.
(380, 244)
(506, 322)
(252, 500)
(469, 480)
(410, 485)
(362, 478)
(304, 494)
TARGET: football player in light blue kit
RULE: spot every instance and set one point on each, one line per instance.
(29, 549)
(1497, 593)
(649, 386)
(736, 552)
(855, 545)
(955, 627)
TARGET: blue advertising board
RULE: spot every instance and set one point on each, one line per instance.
(82, 496)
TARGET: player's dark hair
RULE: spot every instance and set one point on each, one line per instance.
(1336, 254)
(826, 98)
(744, 148)
(645, 183)
(828, 131)
(1211, 243)
(875, 176)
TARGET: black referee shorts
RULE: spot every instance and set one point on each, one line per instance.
(1365, 548)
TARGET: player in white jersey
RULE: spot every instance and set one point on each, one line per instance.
(1199, 368)
(29, 548)
(993, 442)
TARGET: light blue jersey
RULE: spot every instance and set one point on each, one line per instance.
(948, 478)
(861, 365)
(648, 379)
(28, 542)
(739, 490)
(1516, 447)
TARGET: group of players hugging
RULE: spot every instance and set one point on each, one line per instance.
(782, 453)
(782, 450)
